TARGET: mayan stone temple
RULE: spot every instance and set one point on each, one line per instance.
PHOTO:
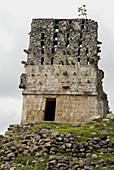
(62, 81)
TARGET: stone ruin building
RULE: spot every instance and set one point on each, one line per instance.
(62, 81)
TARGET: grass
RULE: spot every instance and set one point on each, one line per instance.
(81, 133)
(0, 153)
(60, 154)
(51, 124)
(105, 125)
(23, 159)
(40, 163)
(17, 141)
(104, 156)
(107, 128)
(100, 167)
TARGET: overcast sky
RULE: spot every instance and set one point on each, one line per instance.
(15, 19)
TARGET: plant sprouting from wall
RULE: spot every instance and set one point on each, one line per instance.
(82, 11)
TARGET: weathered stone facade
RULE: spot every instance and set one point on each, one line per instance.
(62, 81)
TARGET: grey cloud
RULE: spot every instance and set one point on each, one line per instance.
(15, 19)
(10, 118)
(10, 112)
(107, 62)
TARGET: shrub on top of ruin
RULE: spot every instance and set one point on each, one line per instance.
(82, 11)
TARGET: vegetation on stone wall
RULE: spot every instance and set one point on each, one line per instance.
(50, 145)
(82, 11)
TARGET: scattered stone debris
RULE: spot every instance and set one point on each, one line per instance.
(95, 118)
(43, 146)
(110, 116)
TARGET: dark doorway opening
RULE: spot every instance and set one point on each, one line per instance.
(50, 110)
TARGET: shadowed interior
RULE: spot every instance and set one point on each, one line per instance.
(50, 110)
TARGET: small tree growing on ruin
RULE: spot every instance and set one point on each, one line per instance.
(82, 11)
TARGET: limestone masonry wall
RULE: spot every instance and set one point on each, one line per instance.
(68, 108)
(62, 66)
